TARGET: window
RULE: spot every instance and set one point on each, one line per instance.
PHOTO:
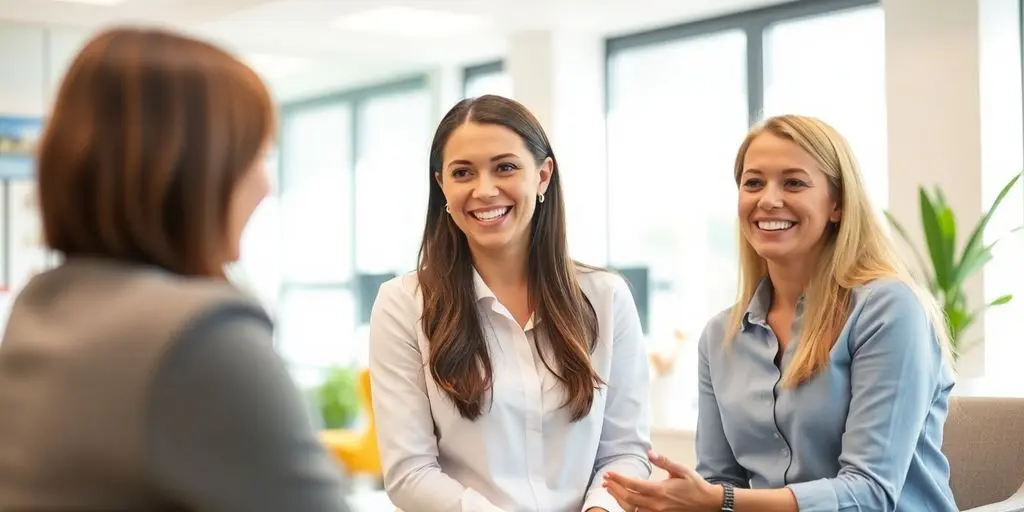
(1002, 146)
(392, 185)
(353, 195)
(672, 134)
(839, 79)
(316, 194)
(484, 79)
(318, 324)
(258, 269)
(680, 100)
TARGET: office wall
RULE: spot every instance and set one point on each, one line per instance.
(32, 61)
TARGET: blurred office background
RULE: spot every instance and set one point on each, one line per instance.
(646, 102)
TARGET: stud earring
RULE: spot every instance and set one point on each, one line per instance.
(540, 198)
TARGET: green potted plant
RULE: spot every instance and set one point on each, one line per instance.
(947, 268)
(337, 397)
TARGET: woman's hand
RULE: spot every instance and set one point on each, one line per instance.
(684, 490)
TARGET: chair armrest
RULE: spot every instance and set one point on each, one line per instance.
(1014, 503)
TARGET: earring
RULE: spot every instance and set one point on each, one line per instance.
(446, 209)
(540, 198)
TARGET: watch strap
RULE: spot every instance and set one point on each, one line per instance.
(728, 497)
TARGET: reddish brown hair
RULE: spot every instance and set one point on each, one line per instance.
(150, 134)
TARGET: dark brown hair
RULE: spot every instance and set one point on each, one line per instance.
(459, 361)
(149, 136)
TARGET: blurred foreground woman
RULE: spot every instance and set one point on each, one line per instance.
(134, 376)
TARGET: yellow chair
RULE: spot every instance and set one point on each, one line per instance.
(357, 449)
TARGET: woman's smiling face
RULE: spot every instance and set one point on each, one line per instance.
(491, 183)
(785, 201)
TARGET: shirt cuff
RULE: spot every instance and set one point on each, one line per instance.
(473, 501)
(600, 497)
(815, 496)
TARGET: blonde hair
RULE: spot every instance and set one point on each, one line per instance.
(855, 253)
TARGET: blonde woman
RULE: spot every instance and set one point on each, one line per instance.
(825, 387)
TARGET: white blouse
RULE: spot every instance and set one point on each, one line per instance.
(523, 453)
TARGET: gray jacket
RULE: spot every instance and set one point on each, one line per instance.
(124, 387)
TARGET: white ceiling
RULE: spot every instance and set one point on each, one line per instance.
(287, 38)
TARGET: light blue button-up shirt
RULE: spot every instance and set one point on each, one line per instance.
(865, 434)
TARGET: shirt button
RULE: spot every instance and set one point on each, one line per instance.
(775, 435)
(785, 452)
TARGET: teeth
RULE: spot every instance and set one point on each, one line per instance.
(774, 225)
(491, 214)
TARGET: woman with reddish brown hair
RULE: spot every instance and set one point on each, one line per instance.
(133, 376)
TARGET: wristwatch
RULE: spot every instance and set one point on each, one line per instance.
(728, 497)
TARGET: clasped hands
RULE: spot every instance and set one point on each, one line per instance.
(684, 490)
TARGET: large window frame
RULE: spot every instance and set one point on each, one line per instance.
(756, 26)
(353, 100)
(755, 23)
(479, 71)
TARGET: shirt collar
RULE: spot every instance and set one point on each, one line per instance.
(480, 287)
(483, 292)
(757, 311)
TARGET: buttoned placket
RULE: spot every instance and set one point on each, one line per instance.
(533, 399)
(777, 435)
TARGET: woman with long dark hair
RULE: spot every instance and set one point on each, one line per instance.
(505, 375)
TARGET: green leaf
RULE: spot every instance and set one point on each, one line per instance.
(338, 398)
(948, 272)
(933, 231)
(959, 320)
(975, 241)
(965, 319)
(940, 199)
(971, 263)
(947, 226)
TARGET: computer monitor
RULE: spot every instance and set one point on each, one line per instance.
(638, 279)
(367, 286)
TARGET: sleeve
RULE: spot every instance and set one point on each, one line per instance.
(405, 426)
(896, 364)
(625, 433)
(715, 459)
(226, 427)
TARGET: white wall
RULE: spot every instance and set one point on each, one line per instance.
(954, 119)
(32, 62)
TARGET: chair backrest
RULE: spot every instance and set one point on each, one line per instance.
(984, 442)
(366, 397)
(366, 394)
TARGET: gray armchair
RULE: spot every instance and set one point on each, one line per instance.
(984, 442)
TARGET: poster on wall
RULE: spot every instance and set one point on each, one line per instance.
(22, 253)
(18, 139)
